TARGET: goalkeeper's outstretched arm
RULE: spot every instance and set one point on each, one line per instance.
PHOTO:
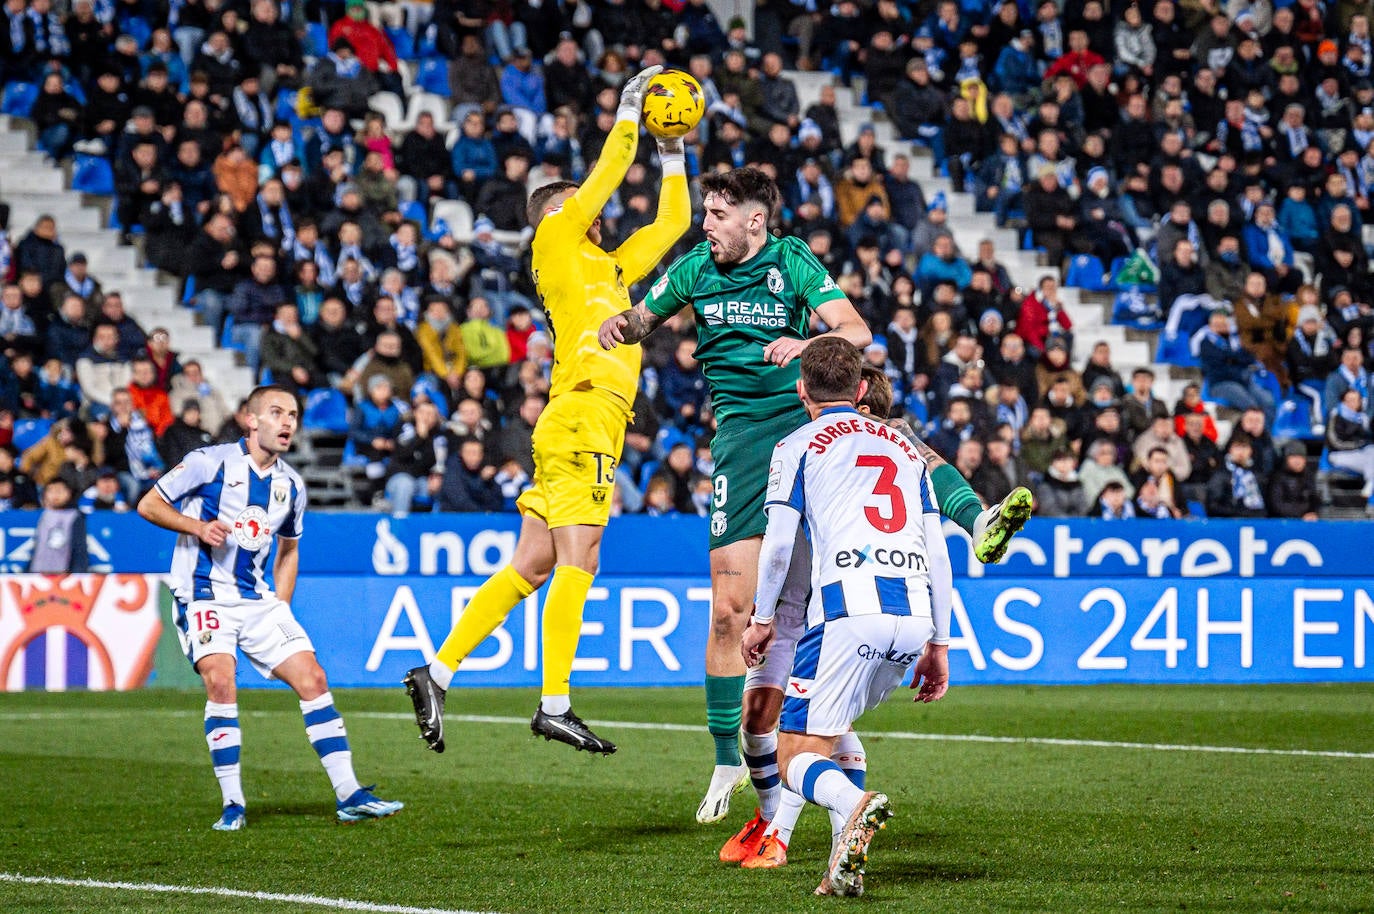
(643, 250)
(582, 208)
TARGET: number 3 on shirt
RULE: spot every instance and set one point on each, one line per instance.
(895, 518)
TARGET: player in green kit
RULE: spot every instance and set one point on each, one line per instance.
(753, 296)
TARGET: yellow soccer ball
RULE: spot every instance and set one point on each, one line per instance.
(673, 104)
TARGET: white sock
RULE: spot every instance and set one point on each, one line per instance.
(850, 756)
(823, 782)
(761, 755)
(789, 809)
(225, 741)
(441, 674)
(325, 728)
(555, 704)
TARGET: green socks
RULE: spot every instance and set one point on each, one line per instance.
(724, 700)
(957, 500)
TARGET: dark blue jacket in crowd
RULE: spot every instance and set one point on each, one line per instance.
(1223, 360)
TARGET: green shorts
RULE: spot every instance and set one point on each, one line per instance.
(742, 450)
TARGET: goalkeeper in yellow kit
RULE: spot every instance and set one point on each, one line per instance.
(578, 438)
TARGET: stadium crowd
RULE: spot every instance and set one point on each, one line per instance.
(1226, 143)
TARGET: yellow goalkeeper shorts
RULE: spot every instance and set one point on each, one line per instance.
(577, 444)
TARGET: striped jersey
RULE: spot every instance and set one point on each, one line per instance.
(257, 506)
(861, 490)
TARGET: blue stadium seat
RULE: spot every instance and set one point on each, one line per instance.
(226, 337)
(75, 91)
(28, 432)
(1294, 420)
(326, 410)
(414, 211)
(1270, 382)
(402, 42)
(138, 29)
(266, 377)
(646, 472)
(351, 457)
(428, 45)
(1086, 272)
(1132, 309)
(1175, 351)
(918, 409)
(188, 292)
(93, 175)
(433, 77)
(18, 99)
(1197, 509)
(316, 40)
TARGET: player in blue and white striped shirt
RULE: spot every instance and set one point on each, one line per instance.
(239, 510)
(880, 595)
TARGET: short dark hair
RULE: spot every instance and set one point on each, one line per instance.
(262, 390)
(878, 397)
(744, 184)
(534, 210)
(831, 369)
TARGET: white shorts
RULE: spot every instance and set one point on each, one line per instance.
(847, 666)
(788, 627)
(789, 623)
(265, 630)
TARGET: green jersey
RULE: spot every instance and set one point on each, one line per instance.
(740, 309)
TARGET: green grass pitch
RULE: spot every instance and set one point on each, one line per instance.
(118, 788)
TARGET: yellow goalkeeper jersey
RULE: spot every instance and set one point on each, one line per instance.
(581, 285)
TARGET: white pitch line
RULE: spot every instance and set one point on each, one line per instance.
(695, 728)
(939, 737)
(341, 904)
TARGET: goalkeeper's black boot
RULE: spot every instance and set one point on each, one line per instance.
(569, 728)
(428, 700)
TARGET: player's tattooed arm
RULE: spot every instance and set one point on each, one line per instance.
(927, 453)
(630, 326)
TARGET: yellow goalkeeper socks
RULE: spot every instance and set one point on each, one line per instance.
(563, 626)
(486, 610)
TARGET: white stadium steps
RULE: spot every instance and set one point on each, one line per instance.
(33, 187)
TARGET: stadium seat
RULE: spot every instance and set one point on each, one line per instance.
(402, 42)
(188, 292)
(428, 46)
(316, 40)
(1197, 509)
(226, 337)
(93, 175)
(351, 457)
(1270, 382)
(432, 102)
(138, 29)
(1133, 309)
(18, 99)
(433, 78)
(326, 410)
(28, 432)
(1293, 420)
(390, 107)
(1175, 351)
(414, 211)
(456, 215)
(1086, 272)
(646, 472)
